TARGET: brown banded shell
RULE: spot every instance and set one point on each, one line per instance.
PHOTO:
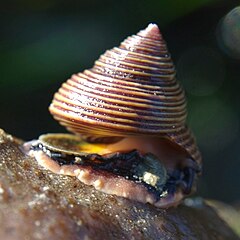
(131, 90)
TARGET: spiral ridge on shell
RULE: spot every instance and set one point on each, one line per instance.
(130, 90)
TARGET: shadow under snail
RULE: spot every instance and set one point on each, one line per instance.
(128, 117)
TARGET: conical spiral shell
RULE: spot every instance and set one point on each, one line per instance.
(131, 90)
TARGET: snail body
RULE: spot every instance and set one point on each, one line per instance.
(128, 115)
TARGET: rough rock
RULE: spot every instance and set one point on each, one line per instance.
(37, 204)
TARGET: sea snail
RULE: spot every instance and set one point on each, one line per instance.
(128, 117)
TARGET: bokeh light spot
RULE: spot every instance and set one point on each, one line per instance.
(228, 33)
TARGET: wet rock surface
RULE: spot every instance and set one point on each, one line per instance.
(37, 204)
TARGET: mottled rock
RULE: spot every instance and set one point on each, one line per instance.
(37, 204)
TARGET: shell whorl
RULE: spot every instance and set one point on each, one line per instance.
(131, 90)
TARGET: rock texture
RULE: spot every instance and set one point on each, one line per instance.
(37, 204)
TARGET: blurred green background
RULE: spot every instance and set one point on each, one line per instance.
(43, 42)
